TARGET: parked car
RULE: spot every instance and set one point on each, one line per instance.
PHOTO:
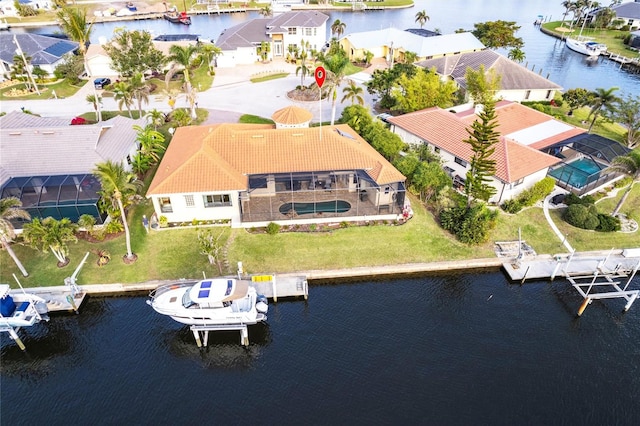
(101, 83)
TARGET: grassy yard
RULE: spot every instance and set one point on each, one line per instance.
(173, 254)
(62, 89)
(612, 38)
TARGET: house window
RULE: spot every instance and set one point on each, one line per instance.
(218, 200)
(165, 205)
(461, 162)
(189, 201)
(527, 94)
(436, 149)
(518, 182)
(309, 32)
(293, 31)
(548, 94)
(386, 189)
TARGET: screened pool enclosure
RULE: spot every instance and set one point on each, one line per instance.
(58, 196)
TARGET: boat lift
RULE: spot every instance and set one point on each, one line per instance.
(602, 284)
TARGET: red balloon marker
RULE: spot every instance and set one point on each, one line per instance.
(320, 75)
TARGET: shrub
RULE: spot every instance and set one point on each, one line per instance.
(512, 206)
(572, 198)
(312, 227)
(582, 216)
(607, 223)
(273, 228)
(113, 227)
(344, 224)
(470, 226)
(163, 222)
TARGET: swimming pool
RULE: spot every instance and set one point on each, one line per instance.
(578, 173)
(338, 206)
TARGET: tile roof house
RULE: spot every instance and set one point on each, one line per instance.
(394, 42)
(240, 43)
(517, 83)
(253, 174)
(519, 163)
(45, 52)
(39, 153)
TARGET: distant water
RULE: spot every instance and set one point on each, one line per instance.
(544, 54)
(450, 349)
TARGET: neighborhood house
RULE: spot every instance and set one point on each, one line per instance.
(253, 174)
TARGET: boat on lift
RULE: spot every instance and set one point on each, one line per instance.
(217, 301)
(21, 309)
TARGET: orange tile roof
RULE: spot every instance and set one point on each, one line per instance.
(220, 157)
(292, 115)
(448, 131)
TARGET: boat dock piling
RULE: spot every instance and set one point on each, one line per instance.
(205, 329)
(591, 275)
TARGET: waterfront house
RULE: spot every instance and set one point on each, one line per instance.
(8, 8)
(517, 83)
(45, 52)
(519, 161)
(46, 162)
(252, 174)
(629, 13)
(240, 44)
(392, 43)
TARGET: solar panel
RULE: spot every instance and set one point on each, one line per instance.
(60, 48)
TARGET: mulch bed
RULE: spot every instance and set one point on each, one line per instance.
(85, 236)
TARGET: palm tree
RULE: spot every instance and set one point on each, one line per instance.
(567, 4)
(150, 142)
(155, 118)
(51, 234)
(139, 90)
(183, 55)
(422, 18)
(73, 22)
(96, 101)
(209, 52)
(263, 50)
(335, 65)
(602, 100)
(630, 165)
(337, 28)
(119, 186)
(516, 54)
(123, 93)
(10, 208)
(353, 92)
(265, 11)
(303, 68)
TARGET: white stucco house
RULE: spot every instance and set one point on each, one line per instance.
(517, 83)
(240, 43)
(519, 161)
(252, 174)
(7, 7)
(629, 13)
(392, 44)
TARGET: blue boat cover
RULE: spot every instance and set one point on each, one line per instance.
(7, 307)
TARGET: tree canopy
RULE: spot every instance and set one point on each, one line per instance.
(482, 86)
(133, 51)
(424, 90)
(495, 34)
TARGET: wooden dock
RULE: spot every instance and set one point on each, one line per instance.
(59, 299)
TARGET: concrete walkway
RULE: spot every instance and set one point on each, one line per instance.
(554, 228)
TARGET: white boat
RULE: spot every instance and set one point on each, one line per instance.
(586, 47)
(218, 301)
(21, 309)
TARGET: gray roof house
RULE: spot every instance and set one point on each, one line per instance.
(392, 42)
(47, 163)
(517, 83)
(630, 12)
(240, 43)
(45, 52)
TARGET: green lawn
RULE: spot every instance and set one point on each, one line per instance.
(174, 254)
(612, 38)
(62, 90)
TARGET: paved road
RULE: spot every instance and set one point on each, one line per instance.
(231, 95)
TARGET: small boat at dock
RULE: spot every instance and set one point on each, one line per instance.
(21, 309)
(586, 47)
(210, 302)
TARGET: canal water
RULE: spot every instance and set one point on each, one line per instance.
(544, 54)
(447, 349)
